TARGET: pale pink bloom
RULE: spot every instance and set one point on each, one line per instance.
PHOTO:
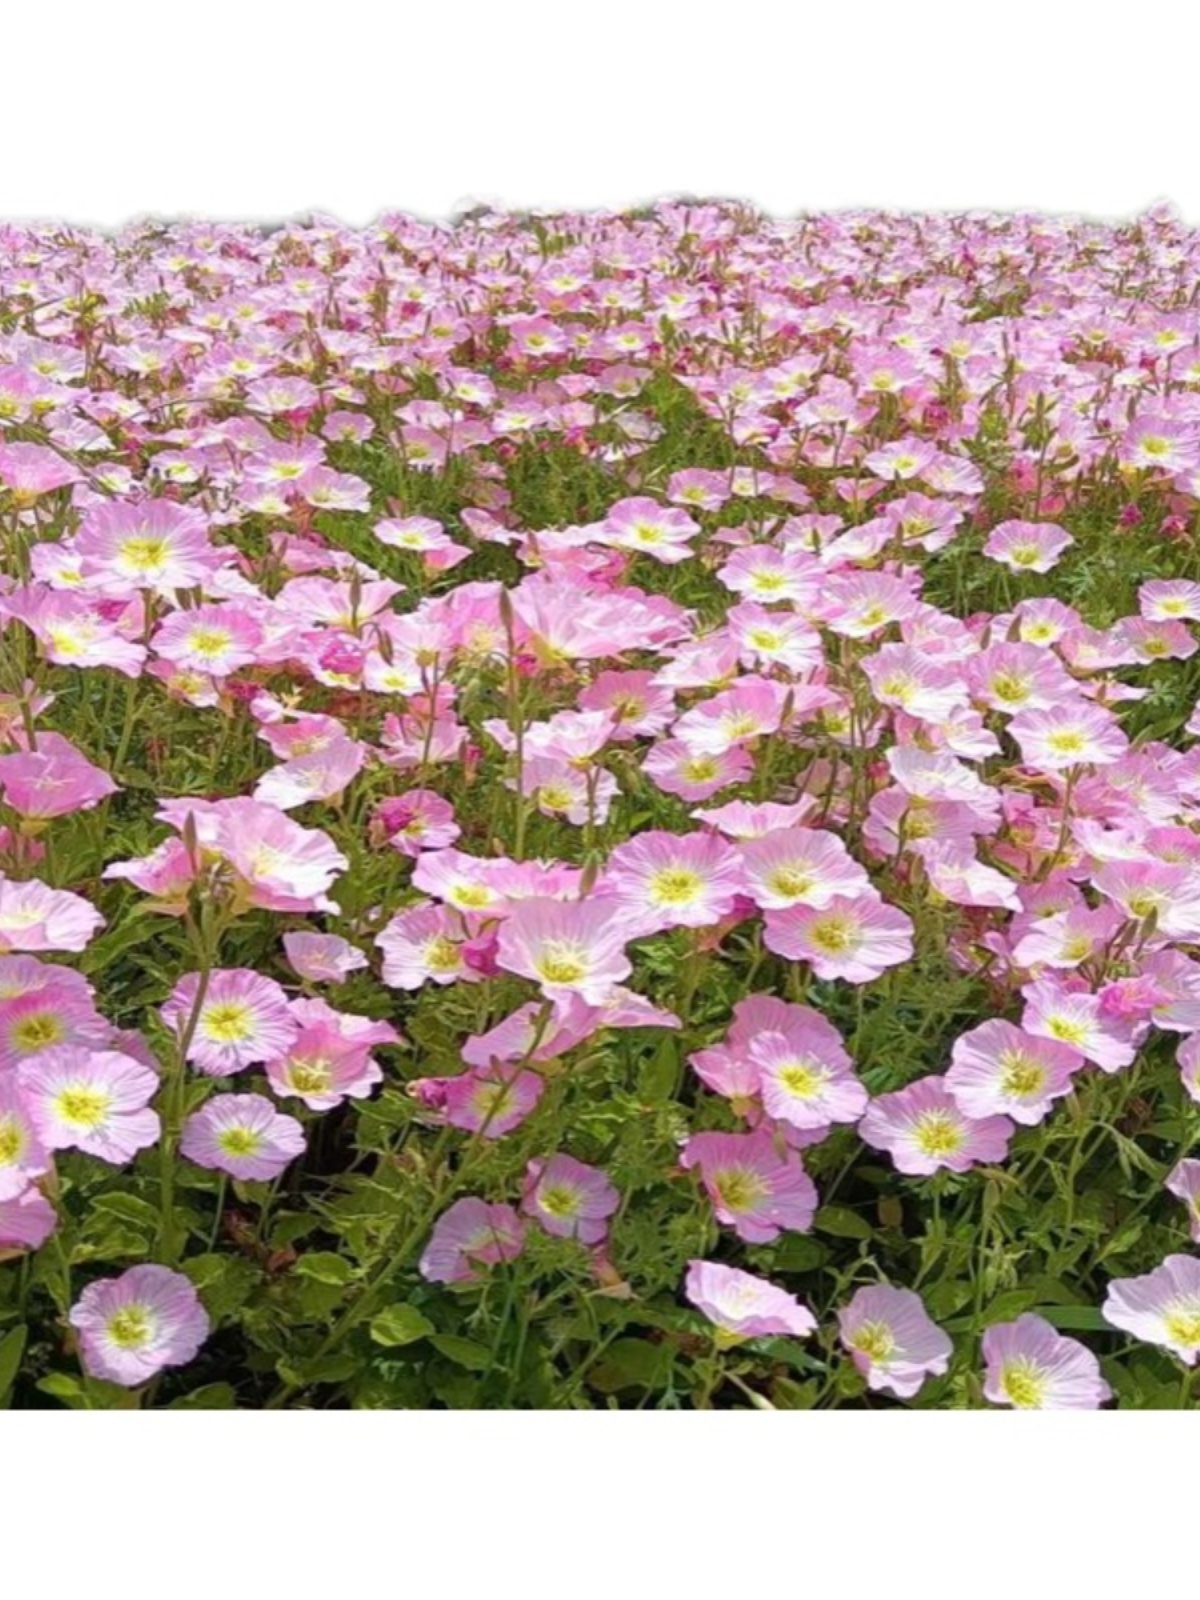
(1019, 677)
(677, 768)
(1150, 641)
(52, 781)
(852, 939)
(635, 704)
(468, 883)
(1164, 443)
(1166, 599)
(645, 527)
(1183, 1181)
(213, 639)
(131, 1327)
(663, 880)
(424, 944)
(769, 575)
(1162, 1307)
(154, 544)
(489, 1100)
(566, 947)
(1067, 939)
(903, 676)
(753, 1187)
(1070, 734)
(72, 631)
(739, 819)
(901, 458)
(36, 917)
(569, 1199)
(1188, 1059)
(243, 1135)
(1032, 1367)
(329, 1059)
(999, 1069)
(281, 866)
(860, 604)
(318, 775)
(471, 1234)
(92, 1100)
(167, 873)
(1027, 546)
(923, 1129)
(1169, 893)
(58, 1011)
(424, 537)
(957, 874)
(750, 709)
(415, 821)
(322, 957)
(243, 1019)
(800, 866)
(892, 1340)
(27, 1220)
(23, 1156)
(1077, 1018)
(743, 1306)
(805, 1077)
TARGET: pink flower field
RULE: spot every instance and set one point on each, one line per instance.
(601, 811)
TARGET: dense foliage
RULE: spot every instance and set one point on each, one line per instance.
(600, 810)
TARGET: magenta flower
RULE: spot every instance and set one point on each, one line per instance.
(743, 1306)
(469, 1235)
(753, 1187)
(569, 1199)
(132, 1327)
(243, 1019)
(892, 1340)
(92, 1100)
(1032, 1367)
(1161, 1307)
(243, 1135)
(923, 1129)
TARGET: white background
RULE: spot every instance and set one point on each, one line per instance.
(250, 110)
(261, 109)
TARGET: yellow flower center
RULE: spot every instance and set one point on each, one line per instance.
(791, 881)
(83, 1106)
(143, 555)
(1024, 1383)
(131, 1328)
(875, 1340)
(559, 1199)
(802, 1079)
(209, 642)
(560, 962)
(239, 1141)
(674, 886)
(37, 1031)
(12, 1141)
(229, 1022)
(739, 1188)
(441, 955)
(937, 1133)
(1022, 1074)
(312, 1076)
(1182, 1324)
(833, 934)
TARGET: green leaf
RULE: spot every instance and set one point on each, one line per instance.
(463, 1352)
(62, 1386)
(12, 1348)
(130, 1208)
(630, 1364)
(1075, 1319)
(842, 1223)
(399, 1325)
(212, 1397)
(325, 1267)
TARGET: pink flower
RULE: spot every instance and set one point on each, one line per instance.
(155, 544)
(805, 1077)
(1033, 1368)
(23, 1156)
(92, 1100)
(322, 957)
(743, 1306)
(54, 780)
(569, 1199)
(26, 1221)
(568, 947)
(469, 1235)
(132, 1327)
(923, 1129)
(1027, 546)
(280, 865)
(892, 1340)
(243, 1019)
(425, 944)
(753, 1187)
(853, 939)
(800, 866)
(35, 917)
(680, 769)
(1161, 1307)
(666, 880)
(489, 1100)
(643, 526)
(243, 1135)
(329, 1058)
(999, 1069)
(1183, 1181)
(415, 821)
(1077, 1018)
(1070, 734)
